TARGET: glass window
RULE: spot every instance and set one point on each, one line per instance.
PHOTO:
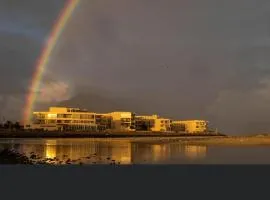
(76, 116)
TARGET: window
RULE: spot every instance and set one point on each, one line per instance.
(91, 116)
(76, 116)
(52, 116)
(125, 120)
(60, 116)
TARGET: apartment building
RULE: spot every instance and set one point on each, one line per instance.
(152, 123)
(75, 119)
(66, 119)
(190, 126)
(122, 121)
(103, 122)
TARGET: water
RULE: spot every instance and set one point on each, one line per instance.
(134, 151)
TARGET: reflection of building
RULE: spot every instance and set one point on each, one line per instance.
(148, 153)
(160, 152)
(121, 152)
(152, 123)
(140, 152)
(97, 150)
(50, 149)
(190, 126)
(194, 151)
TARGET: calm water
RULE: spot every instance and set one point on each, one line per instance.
(131, 151)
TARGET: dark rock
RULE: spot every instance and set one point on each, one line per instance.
(8, 156)
(33, 156)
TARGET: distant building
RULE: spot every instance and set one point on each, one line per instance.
(152, 123)
(122, 121)
(75, 119)
(66, 119)
(103, 122)
(190, 126)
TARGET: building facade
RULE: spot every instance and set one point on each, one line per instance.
(190, 126)
(152, 123)
(65, 119)
(75, 119)
(122, 121)
(103, 122)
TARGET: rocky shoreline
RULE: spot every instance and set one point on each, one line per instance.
(12, 157)
(9, 156)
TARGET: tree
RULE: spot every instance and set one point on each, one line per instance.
(17, 126)
(8, 124)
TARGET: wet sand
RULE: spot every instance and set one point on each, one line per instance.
(231, 140)
(150, 137)
(203, 140)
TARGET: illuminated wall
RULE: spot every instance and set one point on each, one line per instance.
(190, 126)
(123, 121)
(60, 118)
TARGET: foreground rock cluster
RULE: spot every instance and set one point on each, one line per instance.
(10, 156)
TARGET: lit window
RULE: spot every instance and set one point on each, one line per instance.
(52, 116)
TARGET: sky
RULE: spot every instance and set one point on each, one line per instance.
(184, 59)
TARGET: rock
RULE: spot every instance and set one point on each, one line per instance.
(8, 156)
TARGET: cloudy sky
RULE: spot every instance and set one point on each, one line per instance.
(178, 58)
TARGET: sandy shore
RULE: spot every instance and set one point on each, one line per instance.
(239, 141)
(212, 140)
(150, 137)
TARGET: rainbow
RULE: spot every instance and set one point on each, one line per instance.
(44, 57)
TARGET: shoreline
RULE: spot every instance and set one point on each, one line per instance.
(24, 134)
(147, 137)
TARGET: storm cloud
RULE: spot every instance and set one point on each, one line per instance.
(181, 59)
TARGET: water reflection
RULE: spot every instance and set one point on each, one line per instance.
(195, 151)
(50, 149)
(159, 153)
(122, 151)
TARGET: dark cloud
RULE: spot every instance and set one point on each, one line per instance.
(216, 55)
(24, 27)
